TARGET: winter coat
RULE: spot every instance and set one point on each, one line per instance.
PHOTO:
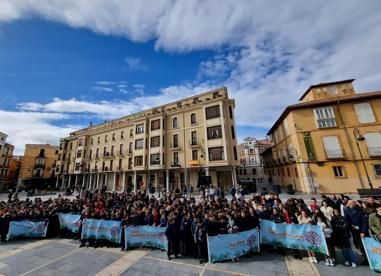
(375, 224)
(356, 217)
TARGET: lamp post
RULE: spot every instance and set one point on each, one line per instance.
(360, 138)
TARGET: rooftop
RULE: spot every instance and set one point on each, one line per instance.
(324, 84)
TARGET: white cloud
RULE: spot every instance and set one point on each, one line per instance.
(102, 89)
(135, 64)
(267, 52)
(32, 128)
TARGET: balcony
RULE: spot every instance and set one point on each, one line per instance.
(175, 164)
(334, 154)
(108, 155)
(194, 163)
(374, 151)
(194, 144)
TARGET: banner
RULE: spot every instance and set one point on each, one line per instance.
(229, 246)
(27, 229)
(295, 236)
(99, 229)
(373, 253)
(146, 236)
(70, 222)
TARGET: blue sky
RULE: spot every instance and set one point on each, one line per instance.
(66, 63)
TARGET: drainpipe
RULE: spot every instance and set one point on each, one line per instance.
(350, 144)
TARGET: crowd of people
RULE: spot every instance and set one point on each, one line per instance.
(189, 221)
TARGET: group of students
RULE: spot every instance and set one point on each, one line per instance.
(189, 221)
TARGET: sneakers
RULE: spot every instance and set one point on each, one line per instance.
(315, 260)
(331, 262)
(354, 265)
(327, 262)
(347, 264)
(311, 260)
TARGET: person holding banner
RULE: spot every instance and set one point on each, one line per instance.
(304, 218)
(341, 236)
(322, 221)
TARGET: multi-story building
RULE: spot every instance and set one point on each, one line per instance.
(180, 145)
(251, 168)
(13, 173)
(4, 165)
(38, 165)
(329, 142)
(3, 138)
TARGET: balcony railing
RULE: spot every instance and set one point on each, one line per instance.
(194, 162)
(334, 154)
(39, 165)
(374, 151)
(175, 164)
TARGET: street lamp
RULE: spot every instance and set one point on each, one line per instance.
(360, 138)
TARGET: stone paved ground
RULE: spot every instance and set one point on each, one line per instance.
(64, 257)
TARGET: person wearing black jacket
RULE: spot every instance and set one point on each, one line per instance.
(200, 239)
(187, 245)
(172, 234)
(212, 226)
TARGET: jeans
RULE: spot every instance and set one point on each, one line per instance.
(348, 255)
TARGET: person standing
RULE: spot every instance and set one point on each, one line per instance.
(375, 223)
(304, 218)
(200, 239)
(172, 234)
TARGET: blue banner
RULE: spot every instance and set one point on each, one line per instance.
(373, 253)
(27, 229)
(295, 236)
(99, 229)
(149, 236)
(229, 246)
(70, 222)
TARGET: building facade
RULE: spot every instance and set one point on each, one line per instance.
(3, 139)
(329, 142)
(251, 169)
(38, 165)
(4, 165)
(179, 145)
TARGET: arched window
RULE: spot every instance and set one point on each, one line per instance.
(122, 135)
(105, 138)
(113, 136)
(131, 132)
(193, 118)
(174, 123)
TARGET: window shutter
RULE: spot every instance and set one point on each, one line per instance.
(332, 147)
(364, 113)
(373, 141)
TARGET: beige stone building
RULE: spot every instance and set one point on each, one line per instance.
(251, 170)
(329, 142)
(181, 144)
(38, 164)
(6, 157)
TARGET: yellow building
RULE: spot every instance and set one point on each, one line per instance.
(182, 144)
(38, 164)
(329, 142)
(6, 157)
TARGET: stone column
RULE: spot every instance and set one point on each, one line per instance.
(90, 184)
(69, 181)
(234, 177)
(106, 182)
(124, 187)
(97, 181)
(167, 180)
(83, 181)
(63, 182)
(186, 179)
(113, 182)
(135, 184)
(57, 180)
(206, 171)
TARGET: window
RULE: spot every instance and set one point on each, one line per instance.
(113, 136)
(140, 129)
(254, 171)
(130, 147)
(138, 161)
(104, 151)
(97, 153)
(296, 172)
(91, 141)
(235, 153)
(155, 124)
(233, 133)
(194, 138)
(175, 140)
(332, 147)
(230, 112)
(105, 138)
(174, 123)
(373, 141)
(131, 132)
(122, 135)
(291, 152)
(77, 166)
(120, 165)
(155, 141)
(212, 112)
(111, 164)
(214, 132)
(193, 119)
(99, 139)
(155, 159)
(112, 150)
(338, 171)
(364, 113)
(245, 171)
(175, 158)
(80, 142)
(377, 170)
(194, 155)
(79, 154)
(325, 117)
(91, 154)
(139, 144)
(121, 149)
(216, 154)
(288, 172)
